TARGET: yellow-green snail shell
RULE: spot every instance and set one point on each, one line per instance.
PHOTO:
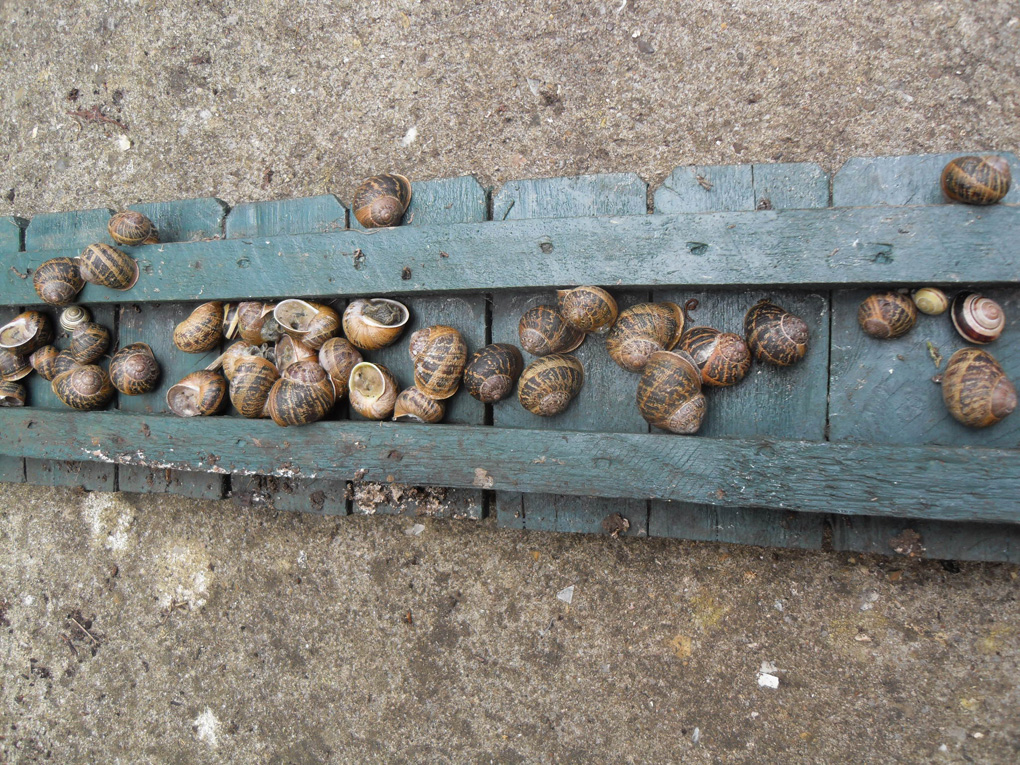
(977, 318)
(439, 354)
(374, 323)
(976, 180)
(887, 315)
(311, 323)
(492, 372)
(44, 361)
(930, 300)
(338, 357)
(549, 383)
(774, 335)
(200, 332)
(382, 200)
(643, 329)
(722, 357)
(11, 394)
(669, 393)
(26, 332)
(72, 316)
(107, 266)
(976, 390)
(198, 394)
(89, 342)
(589, 309)
(412, 405)
(372, 390)
(544, 330)
(131, 228)
(13, 366)
(134, 370)
(303, 394)
(253, 379)
(86, 387)
(58, 281)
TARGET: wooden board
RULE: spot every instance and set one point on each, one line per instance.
(12, 242)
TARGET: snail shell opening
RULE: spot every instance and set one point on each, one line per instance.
(374, 323)
(373, 390)
(26, 332)
(12, 394)
(198, 394)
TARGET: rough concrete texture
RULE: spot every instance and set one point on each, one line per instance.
(165, 630)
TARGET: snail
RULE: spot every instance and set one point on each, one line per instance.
(643, 329)
(544, 330)
(549, 383)
(373, 390)
(492, 372)
(13, 366)
(255, 323)
(722, 357)
(382, 200)
(12, 394)
(132, 228)
(26, 332)
(230, 321)
(253, 378)
(303, 394)
(414, 406)
(374, 323)
(338, 357)
(774, 335)
(311, 323)
(108, 267)
(930, 300)
(234, 355)
(975, 388)
(669, 392)
(44, 361)
(134, 370)
(886, 315)
(72, 316)
(198, 394)
(85, 387)
(976, 180)
(589, 309)
(89, 342)
(290, 351)
(64, 362)
(439, 354)
(977, 318)
(58, 281)
(200, 332)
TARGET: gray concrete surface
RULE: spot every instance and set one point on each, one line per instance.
(140, 630)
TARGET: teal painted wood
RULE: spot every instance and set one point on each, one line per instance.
(602, 403)
(12, 241)
(700, 189)
(439, 202)
(320, 214)
(993, 542)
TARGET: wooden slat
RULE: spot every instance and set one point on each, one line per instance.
(12, 242)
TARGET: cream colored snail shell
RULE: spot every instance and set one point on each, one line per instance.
(374, 323)
(85, 388)
(72, 316)
(26, 332)
(589, 309)
(107, 266)
(976, 390)
(311, 323)
(134, 370)
(440, 355)
(382, 200)
(132, 228)
(11, 394)
(669, 393)
(977, 318)
(58, 281)
(930, 300)
(303, 394)
(549, 383)
(198, 394)
(200, 332)
(643, 329)
(412, 405)
(372, 390)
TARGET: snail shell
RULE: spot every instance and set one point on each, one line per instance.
(290, 351)
(44, 361)
(491, 374)
(64, 362)
(198, 394)
(233, 356)
(200, 332)
(414, 406)
(253, 378)
(72, 316)
(669, 393)
(12, 393)
(439, 354)
(722, 357)
(373, 390)
(887, 315)
(548, 384)
(382, 200)
(132, 228)
(589, 309)
(230, 320)
(26, 332)
(338, 357)
(544, 330)
(977, 318)
(89, 342)
(13, 366)
(976, 180)
(134, 370)
(84, 387)
(311, 323)
(643, 329)
(58, 281)
(371, 324)
(774, 335)
(255, 323)
(930, 300)
(108, 267)
(975, 388)
(303, 394)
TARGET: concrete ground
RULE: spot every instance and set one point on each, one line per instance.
(140, 630)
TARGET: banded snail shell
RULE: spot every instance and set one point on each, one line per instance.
(13, 366)
(589, 309)
(11, 394)
(290, 351)
(544, 330)
(382, 200)
(374, 323)
(978, 319)
(26, 332)
(198, 394)
(303, 394)
(134, 370)
(234, 355)
(89, 342)
(643, 329)
(85, 388)
(107, 266)
(131, 228)
(549, 383)
(976, 390)
(72, 316)
(311, 323)
(64, 362)
(412, 405)
(43, 361)
(200, 332)
(723, 358)
(669, 393)
(250, 385)
(492, 372)
(439, 354)
(372, 390)
(774, 335)
(930, 300)
(887, 315)
(338, 357)
(255, 322)
(58, 281)
(976, 180)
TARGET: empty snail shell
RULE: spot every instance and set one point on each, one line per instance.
(234, 355)
(72, 316)
(492, 372)
(250, 385)
(589, 309)
(311, 323)
(303, 394)
(643, 329)
(930, 300)
(198, 394)
(382, 200)
(722, 357)
(107, 266)
(549, 383)
(669, 393)
(886, 315)
(134, 370)
(439, 354)
(975, 388)
(89, 342)
(414, 406)
(977, 318)
(132, 228)
(12, 393)
(544, 330)
(58, 281)
(26, 332)
(85, 387)
(290, 351)
(64, 362)
(976, 180)
(775, 335)
(200, 332)
(338, 357)
(374, 323)
(230, 320)
(13, 366)
(43, 361)
(373, 390)
(255, 322)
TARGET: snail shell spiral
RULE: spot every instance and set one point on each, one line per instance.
(978, 319)
(372, 390)
(11, 394)
(72, 316)
(43, 361)
(303, 394)
(669, 393)
(131, 228)
(412, 405)
(589, 309)
(976, 180)
(108, 267)
(439, 354)
(643, 329)
(549, 383)
(58, 281)
(198, 394)
(374, 323)
(382, 200)
(85, 387)
(338, 357)
(887, 315)
(200, 332)
(722, 357)
(492, 372)
(89, 342)
(930, 300)
(543, 330)
(976, 390)
(134, 370)
(774, 335)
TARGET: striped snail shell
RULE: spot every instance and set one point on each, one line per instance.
(134, 370)
(722, 357)
(198, 394)
(975, 388)
(86, 387)
(290, 351)
(58, 281)
(589, 309)
(72, 316)
(886, 315)
(439, 354)
(311, 323)
(132, 228)
(338, 357)
(414, 406)
(64, 362)
(775, 335)
(12, 393)
(374, 323)
(303, 394)
(930, 300)
(373, 390)
(544, 330)
(976, 180)
(26, 332)
(107, 266)
(253, 378)
(669, 393)
(44, 361)
(13, 366)
(978, 319)
(382, 200)
(234, 355)
(549, 383)
(255, 322)
(643, 329)
(200, 332)
(89, 342)
(492, 372)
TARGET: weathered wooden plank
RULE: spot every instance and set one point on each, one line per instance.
(322, 214)
(997, 542)
(12, 241)
(587, 195)
(445, 201)
(698, 189)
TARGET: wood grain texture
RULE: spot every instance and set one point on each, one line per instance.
(12, 241)
(994, 542)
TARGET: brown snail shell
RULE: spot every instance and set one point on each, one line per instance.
(64, 362)
(89, 342)
(544, 330)
(72, 316)
(722, 357)
(200, 332)
(255, 322)
(303, 394)
(198, 394)
(643, 329)
(373, 390)
(549, 383)
(230, 320)
(107, 266)
(775, 335)
(414, 406)
(26, 332)
(976, 390)
(492, 372)
(439, 354)
(250, 385)
(977, 318)
(86, 387)
(382, 200)
(589, 309)
(374, 323)
(234, 355)
(134, 370)
(311, 323)
(338, 357)
(290, 351)
(669, 393)
(13, 366)
(44, 361)
(887, 315)
(132, 228)
(976, 180)
(58, 281)
(930, 300)
(11, 394)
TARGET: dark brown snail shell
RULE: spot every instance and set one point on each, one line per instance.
(253, 379)
(774, 335)
(549, 383)
(976, 180)
(439, 354)
(134, 370)
(374, 323)
(887, 315)
(978, 319)
(589, 309)
(72, 316)
(58, 281)
(303, 394)
(412, 405)
(976, 390)
(669, 393)
(89, 342)
(107, 266)
(311, 323)
(26, 332)
(200, 332)
(722, 357)
(544, 330)
(338, 357)
(643, 329)
(382, 200)
(131, 228)
(492, 372)
(13, 366)
(44, 361)
(372, 390)
(255, 322)
(86, 387)
(198, 394)
(11, 394)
